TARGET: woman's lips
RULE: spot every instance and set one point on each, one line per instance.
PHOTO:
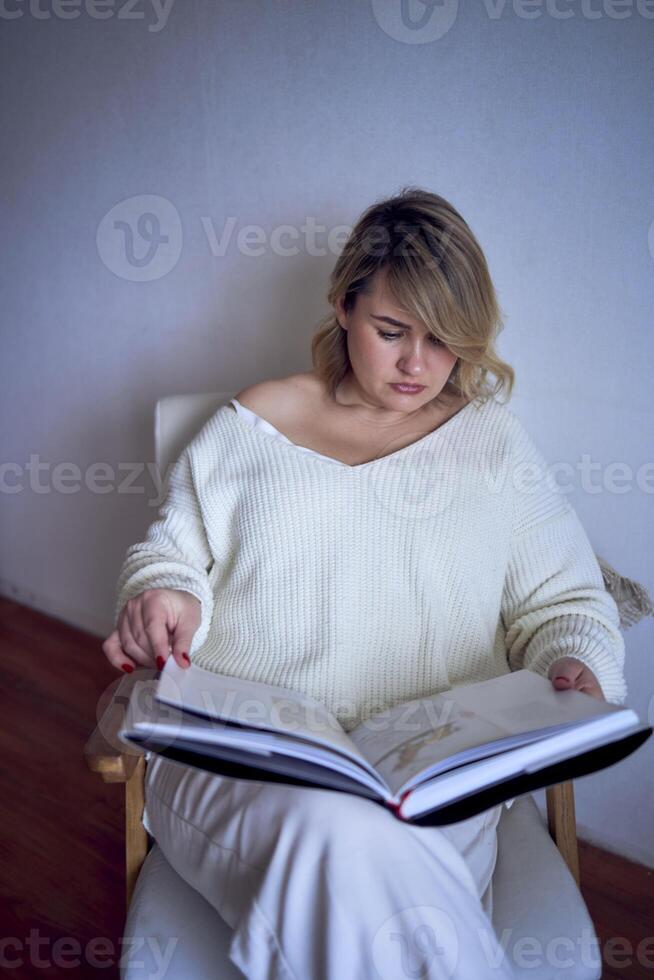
(408, 389)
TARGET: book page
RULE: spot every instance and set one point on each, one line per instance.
(579, 743)
(154, 724)
(418, 740)
(252, 705)
(525, 701)
(408, 739)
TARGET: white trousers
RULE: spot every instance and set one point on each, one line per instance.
(322, 885)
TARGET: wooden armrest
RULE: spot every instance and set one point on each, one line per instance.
(105, 752)
(562, 823)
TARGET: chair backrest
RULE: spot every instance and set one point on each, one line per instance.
(178, 418)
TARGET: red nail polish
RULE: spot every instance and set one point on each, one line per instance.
(186, 658)
(127, 668)
(160, 663)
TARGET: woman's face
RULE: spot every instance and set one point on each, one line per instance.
(384, 353)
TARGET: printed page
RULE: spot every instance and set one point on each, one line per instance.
(408, 739)
(252, 705)
(415, 741)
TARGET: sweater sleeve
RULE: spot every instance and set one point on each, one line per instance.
(554, 601)
(175, 553)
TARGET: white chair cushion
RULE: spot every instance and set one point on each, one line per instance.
(539, 915)
(171, 931)
(549, 933)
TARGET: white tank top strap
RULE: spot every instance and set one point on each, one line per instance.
(256, 422)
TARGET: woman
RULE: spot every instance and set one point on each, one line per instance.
(364, 533)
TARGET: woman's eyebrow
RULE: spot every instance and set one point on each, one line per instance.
(391, 321)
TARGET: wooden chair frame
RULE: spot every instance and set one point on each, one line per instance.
(118, 763)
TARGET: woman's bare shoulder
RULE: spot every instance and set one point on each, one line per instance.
(280, 396)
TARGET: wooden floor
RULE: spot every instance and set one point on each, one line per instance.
(61, 849)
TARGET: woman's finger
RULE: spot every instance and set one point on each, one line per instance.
(129, 644)
(569, 673)
(158, 638)
(135, 635)
(566, 669)
(115, 654)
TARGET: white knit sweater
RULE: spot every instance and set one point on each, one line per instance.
(452, 560)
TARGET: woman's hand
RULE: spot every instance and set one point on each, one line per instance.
(568, 673)
(151, 626)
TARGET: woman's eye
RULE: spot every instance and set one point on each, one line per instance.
(394, 336)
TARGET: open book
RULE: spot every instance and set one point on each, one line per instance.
(431, 761)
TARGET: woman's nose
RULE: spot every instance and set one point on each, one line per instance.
(412, 360)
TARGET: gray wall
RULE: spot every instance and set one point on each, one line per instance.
(531, 119)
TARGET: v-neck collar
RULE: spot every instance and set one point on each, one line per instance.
(293, 447)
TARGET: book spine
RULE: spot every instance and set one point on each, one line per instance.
(395, 808)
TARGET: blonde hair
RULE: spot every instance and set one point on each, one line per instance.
(437, 271)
